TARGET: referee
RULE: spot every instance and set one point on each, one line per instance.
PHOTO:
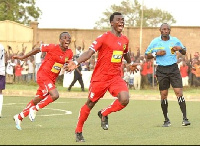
(164, 49)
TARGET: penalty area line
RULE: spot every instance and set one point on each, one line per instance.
(66, 112)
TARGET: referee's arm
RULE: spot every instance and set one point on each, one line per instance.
(154, 54)
(182, 50)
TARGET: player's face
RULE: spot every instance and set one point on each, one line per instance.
(165, 30)
(65, 40)
(118, 23)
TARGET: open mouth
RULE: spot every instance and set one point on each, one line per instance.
(120, 27)
(66, 45)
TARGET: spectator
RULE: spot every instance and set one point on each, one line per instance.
(144, 79)
(77, 77)
(18, 74)
(79, 49)
(197, 73)
(25, 70)
(84, 66)
(126, 76)
(150, 71)
(31, 66)
(92, 63)
(137, 77)
(10, 71)
(131, 81)
(184, 73)
(38, 58)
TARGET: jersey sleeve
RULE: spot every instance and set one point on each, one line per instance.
(96, 45)
(149, 48)
(45, 47)
(178, 43)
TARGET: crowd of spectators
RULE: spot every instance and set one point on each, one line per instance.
(25, 71)
(18, 71)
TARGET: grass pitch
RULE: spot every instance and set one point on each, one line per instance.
(140, 123)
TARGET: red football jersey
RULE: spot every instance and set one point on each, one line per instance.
(54, 60)
(110, 54)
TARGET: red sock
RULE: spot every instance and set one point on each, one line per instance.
(83, 115)
(25, 112)
(44, 102)
(114, 107)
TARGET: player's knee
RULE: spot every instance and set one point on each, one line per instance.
(124, 102)
(164, 94)
(178, 93)
(124, 98)
(55, 96)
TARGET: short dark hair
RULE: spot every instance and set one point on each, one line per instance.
(63, 33)
(113, 14)
(165, 24)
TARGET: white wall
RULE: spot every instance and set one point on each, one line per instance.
(68, 78)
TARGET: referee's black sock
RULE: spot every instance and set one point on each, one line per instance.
(164, 106)
(181, 102)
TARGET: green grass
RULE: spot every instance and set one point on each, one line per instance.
(138, 124)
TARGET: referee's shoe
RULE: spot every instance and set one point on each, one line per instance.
(167, 123)
(185, 122)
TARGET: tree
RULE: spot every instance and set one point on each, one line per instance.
(21, 11)
(132, 13)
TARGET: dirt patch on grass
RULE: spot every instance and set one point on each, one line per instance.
(72, 94)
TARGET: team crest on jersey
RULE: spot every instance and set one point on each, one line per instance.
(66, 59)
(117, 56)
(124, 46)
(56, 67)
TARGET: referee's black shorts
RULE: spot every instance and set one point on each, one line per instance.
(167, 75)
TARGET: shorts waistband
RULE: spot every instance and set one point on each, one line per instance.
(167, 65)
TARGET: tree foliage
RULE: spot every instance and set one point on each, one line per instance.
(133, 15)
(21, 11)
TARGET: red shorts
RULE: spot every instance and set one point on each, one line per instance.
(115, 85)
(45, 85)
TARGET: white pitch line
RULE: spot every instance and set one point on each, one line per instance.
(66, 112)
(51, 115)
(26, 103)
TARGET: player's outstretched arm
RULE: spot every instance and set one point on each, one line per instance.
(32, 52)
(74, 64)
